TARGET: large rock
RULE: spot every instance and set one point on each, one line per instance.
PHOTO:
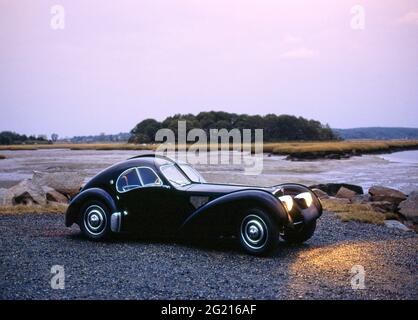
(379, 193)
(394, 224)
(383, 206)
(332, 188)
(54, 196)
(345, 193)
(28, 192)
(409, 207)
(66, 183)
(361, 199)
(6, 197)
(320, 194)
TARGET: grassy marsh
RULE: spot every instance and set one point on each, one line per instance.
(37, 209)
(318, 148)
(356, 212)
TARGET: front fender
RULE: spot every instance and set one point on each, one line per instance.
(221, 213)
(293, 189)
(78, 201)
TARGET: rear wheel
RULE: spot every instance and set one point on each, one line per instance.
(95, 220)
(299, 235)
(258, 234)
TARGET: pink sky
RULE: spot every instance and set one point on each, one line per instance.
(116, 63)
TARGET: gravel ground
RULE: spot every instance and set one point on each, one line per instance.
(130, 268)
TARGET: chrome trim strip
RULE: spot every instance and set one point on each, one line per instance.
(277, 190)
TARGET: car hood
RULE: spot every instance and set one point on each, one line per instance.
(212, 188)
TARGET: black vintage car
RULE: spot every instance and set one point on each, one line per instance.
(156, 196)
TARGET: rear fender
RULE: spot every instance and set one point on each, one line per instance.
(77, 202)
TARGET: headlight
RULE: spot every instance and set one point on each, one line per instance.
(307, 196)
(288, 202)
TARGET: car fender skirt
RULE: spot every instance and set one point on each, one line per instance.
(89, 194)
(223, 212)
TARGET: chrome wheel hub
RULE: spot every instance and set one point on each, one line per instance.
(254, 232)
(95, 219)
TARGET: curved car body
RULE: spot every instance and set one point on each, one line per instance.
(155, 196)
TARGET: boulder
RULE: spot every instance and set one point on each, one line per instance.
(28, 192)
(361, 199)
(409, 207)
(54, 196)
(320, 194)
(383, 206)
(66, 183)
(395, 224)
(345, 193)
(6, 197)
(412, 226)
(332, 188)
(379, 193)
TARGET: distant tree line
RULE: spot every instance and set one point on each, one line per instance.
(105, 138)
(378, 133)
(276, 127)
(8, 137)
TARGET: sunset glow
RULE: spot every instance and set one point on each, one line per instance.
(156, 58)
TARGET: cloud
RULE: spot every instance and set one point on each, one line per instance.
(409, 18)
(291, 39)
(300, 53)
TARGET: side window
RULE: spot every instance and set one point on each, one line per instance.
(149, 177)
(128, 180)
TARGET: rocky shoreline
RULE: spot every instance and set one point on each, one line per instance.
(398, 210)
(340, 155)
(42, 189)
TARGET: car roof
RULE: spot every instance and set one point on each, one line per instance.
(153, 160)
(148, 160)
(153, 156)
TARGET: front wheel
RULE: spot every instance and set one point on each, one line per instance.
(299, 235)
(258, 234)
(95, 220)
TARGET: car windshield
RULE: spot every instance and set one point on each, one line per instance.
(174, 175)
(192, 173)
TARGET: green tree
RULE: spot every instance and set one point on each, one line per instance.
(276, 127)
(144, 132)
